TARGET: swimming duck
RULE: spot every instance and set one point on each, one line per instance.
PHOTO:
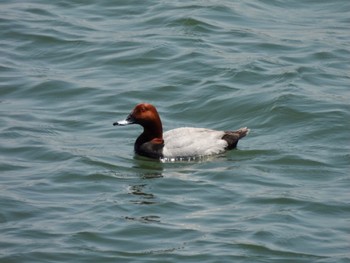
(185, 142)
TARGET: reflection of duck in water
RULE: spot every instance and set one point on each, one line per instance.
(143, 198)
(178, 143)
(138, 190)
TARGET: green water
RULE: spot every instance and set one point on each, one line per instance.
(71, 188)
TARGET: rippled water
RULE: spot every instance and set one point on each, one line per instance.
(72, 189)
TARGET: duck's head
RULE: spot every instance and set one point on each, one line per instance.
(146, 115)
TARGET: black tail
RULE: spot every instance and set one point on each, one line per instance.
(232, 137)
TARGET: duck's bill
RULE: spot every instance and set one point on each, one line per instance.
(122, 123)
(129, 120)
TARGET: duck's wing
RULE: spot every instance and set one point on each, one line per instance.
(188, 142)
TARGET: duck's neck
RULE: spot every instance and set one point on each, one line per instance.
(150, 143)
(151, 133)
(153, 130)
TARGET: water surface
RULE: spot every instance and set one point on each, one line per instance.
(72, 189)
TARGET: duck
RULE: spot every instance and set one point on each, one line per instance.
(179, 143)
